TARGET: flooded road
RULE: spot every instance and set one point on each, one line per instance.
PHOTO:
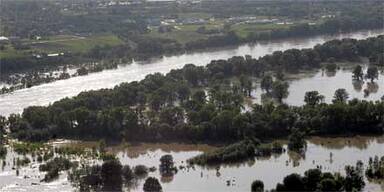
(47, 93)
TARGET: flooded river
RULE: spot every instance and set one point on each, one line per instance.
(345, 151)
(47, 93)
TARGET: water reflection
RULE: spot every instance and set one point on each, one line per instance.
(372, 87)
(326, 85)
(357, 85)
(359, 142)
(329, 154)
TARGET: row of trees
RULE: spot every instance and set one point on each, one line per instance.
(375, 168)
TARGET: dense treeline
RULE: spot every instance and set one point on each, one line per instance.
(205, 103)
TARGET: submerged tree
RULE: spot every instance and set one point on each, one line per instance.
(341, 95)
(280, 90)
(152, 185)
(372, 73)
(266, 83)
(257, 186)
(111, 172)
(313, 98)
(354, 180)
(246, 85)
(297, 141)
(358, 73)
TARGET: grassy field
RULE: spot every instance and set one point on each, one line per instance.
(61, 43)
(10, 52)
(244, 29)
(183, 33)
(75, 44)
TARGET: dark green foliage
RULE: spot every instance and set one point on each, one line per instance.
(54, 166)
(313, 180)
(111, 175)
(127, 173)
(331, 67)
(233, 153)
(341, 96)
(358, 73)
(354, 179)
(297, 141)
(372, 73)
(22, 162)
(51, 175)
(107, 177)
(280, 90)
(59, 162)
(86, 178)
(152, 185)
(140, 170)
(313, 98)
(375, 168)
(266, 83)
(257, 186)
(3, 151)
(166, 162)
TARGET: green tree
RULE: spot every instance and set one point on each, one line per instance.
(257, 186)
(328, 184)
(354, 178)
(293, 182)
(280, 90)
(358, 73)
(313, 98)
(111, 172)
(341, 95)
(296, 141)
(372, 73)
(266, 83)
(127, 173)
(246, 85)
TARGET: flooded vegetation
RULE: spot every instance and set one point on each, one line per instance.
(191, 95)
(204, 104)
(326, 83)
(327, 154)
(47, 93)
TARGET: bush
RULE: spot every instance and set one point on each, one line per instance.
(257, 186)
(152, 185)
(140, 170)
